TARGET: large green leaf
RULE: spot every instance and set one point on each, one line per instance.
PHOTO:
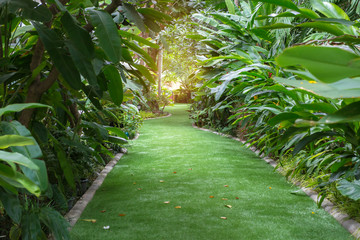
(228, 21)
(331, 10)
(309, 13)
(83, 64)
(134, 16)
(284, 3)
(142, 53)
(283, 117)
(235, 74)
(39, 177)
(290, 5)
(115, 84)
(100, 131)
(30, 226)
(12, 205)
(317, 107)
(230, 6)
(156, 15)
(19, 107)
(56, 223)
(350, 189)
(18, 180)
(131, 36)
(328, 64)
(14, 157)
(28, 9)
(269, 107)
(80, 46)
(323, 26)
(15, 128)
(152, 25)
(117, 132)
(276, 26)
(92, 94)
(145, 72)
(107, 34)
(311, 138)
(55, 47)
(117, 140)
(346, 88)
(349, 113)
(336, 20)
(40, 13)
(6, 185)
(14, 140)
(279, 15)
(65, 163)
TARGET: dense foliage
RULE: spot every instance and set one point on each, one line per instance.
(284, 76)
(72, 76)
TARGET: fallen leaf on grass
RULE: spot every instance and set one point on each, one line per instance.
(237, 198)
(223, 218)
(122, 215)
(178, 207)
(89, 220)
(106, 227)
(225, 199)
(228, 206)
(190, 169)
(226, 185)
(139, 189)
(162, 181)
(167, 202)
(211, 197)
(103, 211)
(174, 172)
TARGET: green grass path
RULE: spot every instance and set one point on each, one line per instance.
(172, 161)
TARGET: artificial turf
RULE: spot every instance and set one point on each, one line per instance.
(173, 165)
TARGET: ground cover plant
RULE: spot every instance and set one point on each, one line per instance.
(207, 187)
(281, 75)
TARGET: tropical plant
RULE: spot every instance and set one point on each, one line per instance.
(23, 178)
(300, 107)
(72, 56)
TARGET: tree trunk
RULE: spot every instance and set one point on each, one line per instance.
(35, 91)
(38, 87)
(160, 63)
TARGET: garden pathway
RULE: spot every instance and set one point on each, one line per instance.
(180, 183)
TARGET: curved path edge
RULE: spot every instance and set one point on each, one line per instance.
(344, 219)
(169, 115)
(74, 214)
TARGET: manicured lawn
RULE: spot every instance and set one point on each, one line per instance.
(173, 165)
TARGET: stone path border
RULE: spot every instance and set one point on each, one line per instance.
(74, 214)
(169, 115)
(349, 224)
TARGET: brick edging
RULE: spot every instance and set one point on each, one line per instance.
(349, 224)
